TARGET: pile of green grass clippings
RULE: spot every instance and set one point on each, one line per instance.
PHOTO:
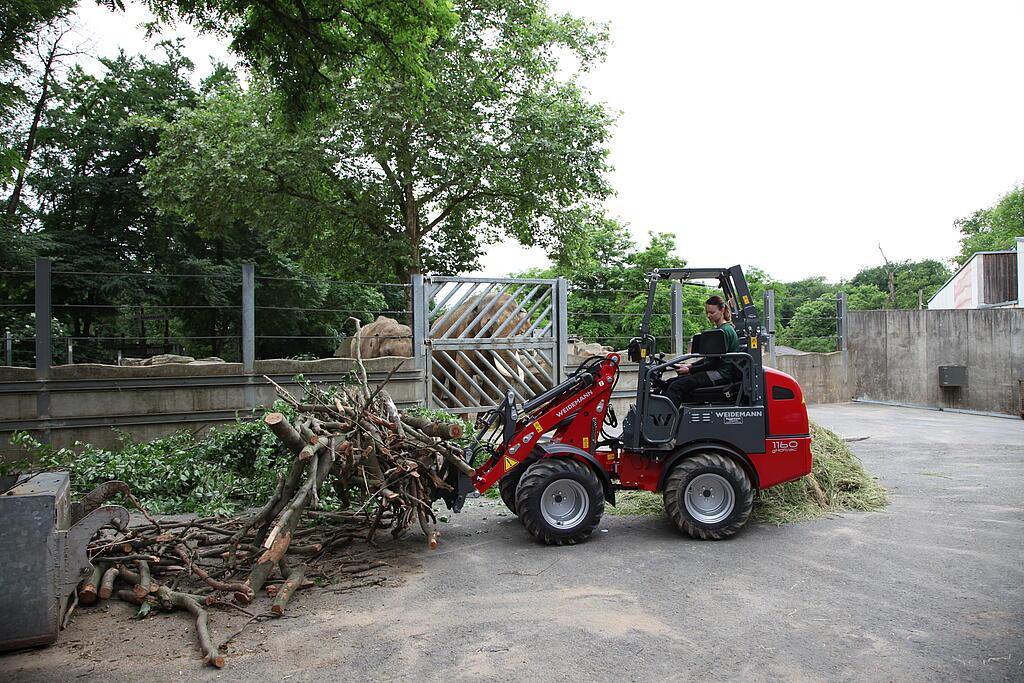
(837, 483)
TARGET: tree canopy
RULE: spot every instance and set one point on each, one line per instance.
(503, 147)
(309, 47)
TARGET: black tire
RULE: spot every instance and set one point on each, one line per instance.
(713, 473)
(580, 484)
(507, 486)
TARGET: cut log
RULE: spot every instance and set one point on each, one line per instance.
(292, 583)
(107, 582)
(441, 430)
(278, 424)
(88, 590)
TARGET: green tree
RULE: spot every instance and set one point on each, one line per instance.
(799, 292)
(909, 278)
(504, 147)
(994, 228)
(864, 297)
(91, 208)
(94, 217)
(309, 47)
(813, 326)
(20, 22)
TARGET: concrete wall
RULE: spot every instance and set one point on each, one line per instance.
(822, 376)
(895, 356)
(86, 401)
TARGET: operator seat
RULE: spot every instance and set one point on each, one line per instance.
(711, 342)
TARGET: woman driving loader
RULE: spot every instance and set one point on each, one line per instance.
(707, 372)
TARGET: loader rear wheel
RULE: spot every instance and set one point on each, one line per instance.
(708, 496)
(560, 501)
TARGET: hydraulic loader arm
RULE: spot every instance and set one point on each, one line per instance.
(574, 410)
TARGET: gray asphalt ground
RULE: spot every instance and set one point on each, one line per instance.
(930, 589)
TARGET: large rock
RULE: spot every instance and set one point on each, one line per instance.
(167, 359)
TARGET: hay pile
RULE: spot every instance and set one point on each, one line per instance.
(837, 483)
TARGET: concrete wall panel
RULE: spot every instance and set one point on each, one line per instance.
(991, 369)
(821, 375)
(946, 331)
(905, 356)
(867, 349)
(149, 402)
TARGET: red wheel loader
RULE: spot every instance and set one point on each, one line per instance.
(556, 466)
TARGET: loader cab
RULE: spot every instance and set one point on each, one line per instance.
(734, 413)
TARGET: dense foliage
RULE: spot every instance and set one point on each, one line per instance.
(993, 229)
(504, 146)
(231, 468)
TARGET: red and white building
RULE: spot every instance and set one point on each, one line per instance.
(990, 279)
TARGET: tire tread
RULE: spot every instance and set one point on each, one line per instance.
(531, 485)
(676, 483)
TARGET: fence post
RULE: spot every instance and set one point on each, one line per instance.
(44, 354)
(249, 331)
(8, 349)
(561, 301)
(69, 348)
(678, 346)
(43, 316)
(769, 324)
(841, 321)
(419, 321)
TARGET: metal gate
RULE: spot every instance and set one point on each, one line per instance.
(484, 337)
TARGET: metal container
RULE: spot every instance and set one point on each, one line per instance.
(42, 555)
(952, 376)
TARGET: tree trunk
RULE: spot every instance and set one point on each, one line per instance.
(37, 115)
(411, 213)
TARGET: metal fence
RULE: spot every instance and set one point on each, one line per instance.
(804, 324)
(118, 318)
(488, 337)
(66, 317)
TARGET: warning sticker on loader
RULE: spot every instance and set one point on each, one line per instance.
(510, 463)
(538, 427)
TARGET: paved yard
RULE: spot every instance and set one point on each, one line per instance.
(930, 589)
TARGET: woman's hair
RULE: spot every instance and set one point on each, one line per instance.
(720, 303)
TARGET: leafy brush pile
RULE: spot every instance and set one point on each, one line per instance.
(837, 483)
(230, 468)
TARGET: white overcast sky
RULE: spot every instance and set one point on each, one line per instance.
(792, 136)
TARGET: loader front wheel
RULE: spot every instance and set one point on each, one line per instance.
(708, 496)
(507, 486)
(560, 501)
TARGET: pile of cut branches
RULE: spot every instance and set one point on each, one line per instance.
(386, 467)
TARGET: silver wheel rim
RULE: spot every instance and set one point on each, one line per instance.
(709, 498)
(564, 504)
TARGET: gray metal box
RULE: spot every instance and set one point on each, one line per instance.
(44, 540)
(952, 376)
(32, 513)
